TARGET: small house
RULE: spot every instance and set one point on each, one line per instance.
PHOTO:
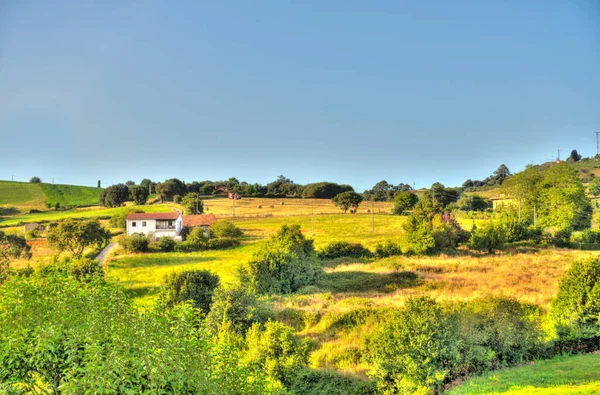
(202, 220)
(158, 224)
(34, 226)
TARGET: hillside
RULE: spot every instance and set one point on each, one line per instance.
(26, 195)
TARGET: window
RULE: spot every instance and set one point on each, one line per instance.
(170, 224)
(133, 224)
(143, 223)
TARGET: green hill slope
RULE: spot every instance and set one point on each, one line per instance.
(28, 195)
(562, 375)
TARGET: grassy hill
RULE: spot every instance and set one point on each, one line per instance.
(28, 195)
(562, 375)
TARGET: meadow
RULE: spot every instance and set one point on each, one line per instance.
(24, 196)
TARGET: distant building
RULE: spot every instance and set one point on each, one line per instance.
(201, 220)
(34, 226)
(499, 201)
(158, 224)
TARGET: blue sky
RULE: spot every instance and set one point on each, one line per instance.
(347, 91)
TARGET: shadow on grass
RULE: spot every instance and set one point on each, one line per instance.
(9, 211)
(146, 260)
(344, 261)
(355, 281)
(140, 292)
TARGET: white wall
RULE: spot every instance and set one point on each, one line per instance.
(151, 228)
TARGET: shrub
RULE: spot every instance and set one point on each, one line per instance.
(515, 230)
(226, 229)
(236, 308)
(447, 233)
(575, 311)
(197, 286)
(276, 350)
(219, 244)
(166, 244)
(415, 351)
(488, 237)
(137, 242)
(35, 180)
(317, 382)
(419, 235)
(284, 264)
(344, 249)
(388, 249)
(589, 236)
(32, 234)
(404, 201)
(177, 199)
(85, 269)
(560, 238)
(195, 240)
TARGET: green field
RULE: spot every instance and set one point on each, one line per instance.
(27, 195)
(92, 212)
(563, 375)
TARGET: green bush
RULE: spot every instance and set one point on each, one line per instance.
(344, 249)
(226, 229)
(419, 235)
(32, 234)
(415, 351)
(488, 237)
(137, 242)
(276, 350)
(515, 230)
(197, 286)
(318, 382)
(575, 311)
(560, 238)
(219, 244)
(589, 236)
(285, 263)
(388, 249)
(166, 244)
(85, 269)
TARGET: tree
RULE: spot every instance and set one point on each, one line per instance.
(11, 247)
(473, 203)
(527, 187)
(99, 184)
(285, 263)
(114, 195)
(138, 194)
(347, 200)
(324, 190)
(594, 187)
(197, 286)
(404, 201)
(76, 236)
(488, 237)
(575, 157)
(501, 174)
(192, 203)
(282, 186)
(146, 183)
(35, 180)
(224, 228)
(130, 183)
(168, 189)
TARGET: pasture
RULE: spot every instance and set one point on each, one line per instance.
(24, 196)
(21, 194)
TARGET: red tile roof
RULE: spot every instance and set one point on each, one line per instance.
(140, 216)
(199, 220)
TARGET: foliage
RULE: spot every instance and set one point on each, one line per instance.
(575, 156)
(168, 189)
(61, 335)
(388, 249)
(559, 237)
(404, 201)
(138, 194)
(515, 230)
(447, 233)
(35, 180)
(192, 204)
(594, 187)
(222, 243)
(197, 286)
(32, 234)
(227, 229)
(114, 195)
(324, 190)
(318, 382)
(147, 183)
(414, 351)
(166, 244)
(488, 237)
(11, 247)
(137, 242)
(119, 220)
(384, 191)
(576, 309)
(344, 249)
(419, 235)
(71, 195)
(497, 178)
(282, 186)
(347, 200)
(473, 203)
(236, 308)
(75, 236)
(285, 263)
(276, 350)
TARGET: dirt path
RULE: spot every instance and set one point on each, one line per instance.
(104, 253)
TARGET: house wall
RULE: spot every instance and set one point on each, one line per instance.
(151, 228)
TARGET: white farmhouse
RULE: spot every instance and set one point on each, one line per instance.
(159, 224)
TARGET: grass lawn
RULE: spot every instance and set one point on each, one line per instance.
(563, 375)
(89, 212)
(21, 193)
(71, 195)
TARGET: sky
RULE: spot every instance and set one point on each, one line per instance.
(347, 91)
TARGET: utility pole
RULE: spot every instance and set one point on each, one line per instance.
(313, 221)
(558, 155)
(372, 216)
(597, 144)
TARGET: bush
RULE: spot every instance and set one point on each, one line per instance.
(226, 229)
(85, 269)
(404, 201)
(32, 234)
(575, 311)
(166, 244)
(219, 244)
(137, 242)
(344, 249)
(236, 308)
(197, 286)
(447, 233)
(195, 240)
(589, 236)
(419, 235)
(177, 199)
(488, 237)
(515, 230)
(560, 238)
(317, 382)
(415, 351)
(276, 350)
(388, 249)
(284, 264)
